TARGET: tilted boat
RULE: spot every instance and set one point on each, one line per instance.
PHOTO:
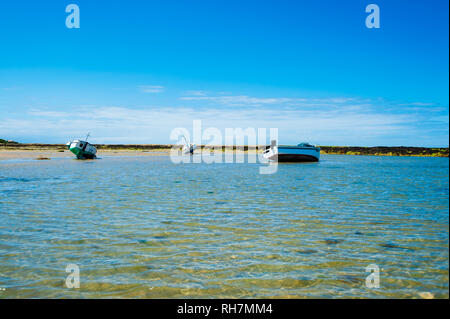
(303, 152)
(188, 147)
(82, 149)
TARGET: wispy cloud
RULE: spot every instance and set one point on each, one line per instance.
(321, 120)
(151, 88)
(196, 93)
(240, 100)
(416, 104)
(48, 114)
(335, 126)
(244, 100)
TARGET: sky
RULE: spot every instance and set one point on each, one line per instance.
(136, 70)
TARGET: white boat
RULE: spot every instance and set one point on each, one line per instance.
(188, 148)
(82, 149)
(303, 152)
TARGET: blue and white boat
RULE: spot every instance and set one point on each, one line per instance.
(303, 152)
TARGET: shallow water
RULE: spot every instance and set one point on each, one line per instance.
(145, 227)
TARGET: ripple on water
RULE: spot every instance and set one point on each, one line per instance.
(146, 228)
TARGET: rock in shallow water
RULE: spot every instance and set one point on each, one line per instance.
(331, 241)
(426, 295)
(394, 246)
(306, 251)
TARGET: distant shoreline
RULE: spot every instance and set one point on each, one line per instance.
(337, 150)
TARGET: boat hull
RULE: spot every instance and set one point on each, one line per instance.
(80, 154)
(292, 158)
(293, 154)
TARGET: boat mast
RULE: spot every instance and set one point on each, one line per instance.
(185, 139)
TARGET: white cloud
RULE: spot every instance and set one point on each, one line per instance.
(151, 88)
(417, 104)
(326, 121)
(244, 100)
(196, 93)
(40, 113)
(10, 88)
(153, 125)
(241, 100)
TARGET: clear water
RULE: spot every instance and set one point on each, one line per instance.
(145, 227)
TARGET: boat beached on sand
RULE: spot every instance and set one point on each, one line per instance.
(82, 149)
(188, 148)
(303, 152)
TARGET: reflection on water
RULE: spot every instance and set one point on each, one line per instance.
(145, 227)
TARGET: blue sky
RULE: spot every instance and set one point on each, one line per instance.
(135, 70)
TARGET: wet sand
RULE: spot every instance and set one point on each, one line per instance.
(51, 153)
(48, 154)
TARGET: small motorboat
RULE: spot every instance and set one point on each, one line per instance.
(82, 149)
(303, 152)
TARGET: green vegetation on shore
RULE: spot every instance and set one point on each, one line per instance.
(339, 150)
(5, 142)
(386, 151)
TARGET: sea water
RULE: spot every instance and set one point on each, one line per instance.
(144, 227)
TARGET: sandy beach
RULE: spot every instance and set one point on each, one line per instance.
(43, 154)
(48, 151)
